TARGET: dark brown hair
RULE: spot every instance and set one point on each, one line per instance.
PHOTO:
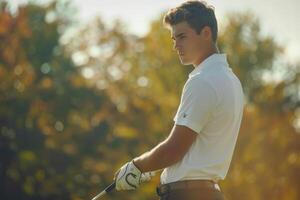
(196, 13)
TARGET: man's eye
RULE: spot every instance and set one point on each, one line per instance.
(179, 38)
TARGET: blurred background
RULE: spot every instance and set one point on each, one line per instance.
(86, 86)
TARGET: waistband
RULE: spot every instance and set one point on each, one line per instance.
(186, 184)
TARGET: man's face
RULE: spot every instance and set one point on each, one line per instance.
(188, 44)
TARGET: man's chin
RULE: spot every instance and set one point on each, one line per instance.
(185, 62)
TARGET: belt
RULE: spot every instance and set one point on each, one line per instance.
(187, 184)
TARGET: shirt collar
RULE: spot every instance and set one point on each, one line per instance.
(209, 62)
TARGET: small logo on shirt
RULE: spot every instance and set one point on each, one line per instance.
(184, 115)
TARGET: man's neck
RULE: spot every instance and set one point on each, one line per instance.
(210, 52)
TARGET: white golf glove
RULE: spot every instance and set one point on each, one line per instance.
(129, 177)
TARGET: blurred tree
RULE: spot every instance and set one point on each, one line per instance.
(46, 109)
(74, 108)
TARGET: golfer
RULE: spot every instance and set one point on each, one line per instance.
(197, 153)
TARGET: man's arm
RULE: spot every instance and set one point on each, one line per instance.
(168, 152)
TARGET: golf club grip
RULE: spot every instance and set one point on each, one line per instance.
(110, 187)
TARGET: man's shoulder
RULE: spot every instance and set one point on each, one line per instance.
(199, 84)
(199, 80)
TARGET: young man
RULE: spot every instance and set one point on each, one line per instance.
(199, 149)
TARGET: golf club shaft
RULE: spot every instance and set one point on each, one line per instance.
(106, 190)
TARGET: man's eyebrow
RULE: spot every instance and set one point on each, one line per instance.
(178, 35)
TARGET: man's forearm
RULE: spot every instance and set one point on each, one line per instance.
(168, 152)
(159, 157)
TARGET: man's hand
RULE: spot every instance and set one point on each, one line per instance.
(121, 183)
(128, 177)
(147, 176)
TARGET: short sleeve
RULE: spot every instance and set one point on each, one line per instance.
(197, 103)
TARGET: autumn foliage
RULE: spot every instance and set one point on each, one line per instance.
(75, 107)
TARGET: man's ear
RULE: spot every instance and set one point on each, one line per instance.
(206, 32)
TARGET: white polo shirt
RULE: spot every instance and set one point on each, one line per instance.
(211, 105)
